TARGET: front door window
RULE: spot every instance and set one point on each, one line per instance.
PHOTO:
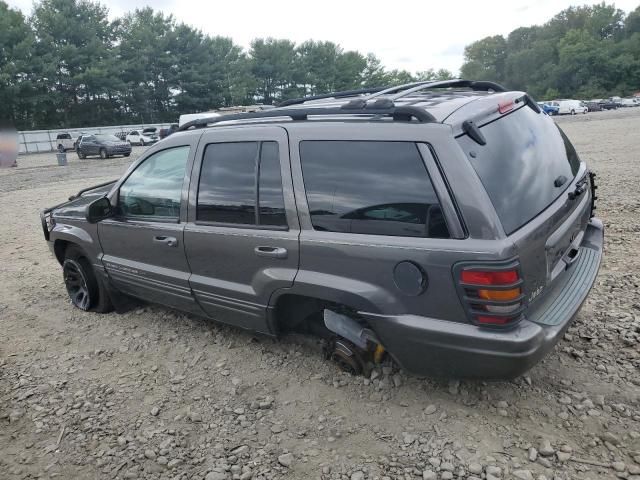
(154, 189)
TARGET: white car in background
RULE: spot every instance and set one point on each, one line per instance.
(64, 142)
(137, 137)
(570, 107)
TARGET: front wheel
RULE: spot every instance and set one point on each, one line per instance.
(81, 155)
(84, 289)
(61, 148)
(103, 153)
(573, 112)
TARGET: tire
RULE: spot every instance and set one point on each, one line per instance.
(573, 112)
(103, 153)
(61, 148)
(127, 154)
(81, 155)
(85, 291)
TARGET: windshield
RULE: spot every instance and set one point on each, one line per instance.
(525, 165)
(108, 138)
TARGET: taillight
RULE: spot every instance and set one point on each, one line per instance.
(500, 295)
(479, 277)
(492, 295)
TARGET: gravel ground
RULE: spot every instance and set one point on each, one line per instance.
(157, 394)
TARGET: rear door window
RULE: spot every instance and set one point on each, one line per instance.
(240, 183)
(368, 187)
(525, 157)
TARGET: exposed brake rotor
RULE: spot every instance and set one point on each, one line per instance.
(346, 355)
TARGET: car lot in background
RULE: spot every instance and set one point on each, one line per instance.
(137, 137)
(628, 102)
(104, 146)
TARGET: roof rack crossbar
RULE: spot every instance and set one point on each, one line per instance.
(396, 88)
(345, 93)
(404, 89)
(409, 88)
(459, 83)
(399, 113)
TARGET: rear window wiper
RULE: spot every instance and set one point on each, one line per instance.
(470, 128)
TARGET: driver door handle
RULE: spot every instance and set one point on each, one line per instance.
(168, 241)
(274, 252)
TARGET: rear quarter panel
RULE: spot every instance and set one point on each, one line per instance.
(357, 269)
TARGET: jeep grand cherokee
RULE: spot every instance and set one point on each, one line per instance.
(449, 224)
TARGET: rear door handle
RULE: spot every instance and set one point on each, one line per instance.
(168, 241)
(274, 252)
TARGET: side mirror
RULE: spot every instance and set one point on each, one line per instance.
(99, 210)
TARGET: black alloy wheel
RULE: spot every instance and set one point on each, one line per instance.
(75, 279)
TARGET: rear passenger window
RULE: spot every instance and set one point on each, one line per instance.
(240, 183)
(378, 188)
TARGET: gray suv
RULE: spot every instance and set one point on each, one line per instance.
(450, 224)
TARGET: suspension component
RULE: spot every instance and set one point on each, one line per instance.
(346, 355)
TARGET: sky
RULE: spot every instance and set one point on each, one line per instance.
(410, 35)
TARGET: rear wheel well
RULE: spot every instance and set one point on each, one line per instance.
(302, 314)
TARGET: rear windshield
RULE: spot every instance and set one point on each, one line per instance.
(524, 156)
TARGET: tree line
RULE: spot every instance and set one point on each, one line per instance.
(69, 65)
(582, 52)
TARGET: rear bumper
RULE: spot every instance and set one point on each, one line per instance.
(428, 346)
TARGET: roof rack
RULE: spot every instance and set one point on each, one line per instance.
(382, 107)
(345, 93)
(404, 90)
(410, 88)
